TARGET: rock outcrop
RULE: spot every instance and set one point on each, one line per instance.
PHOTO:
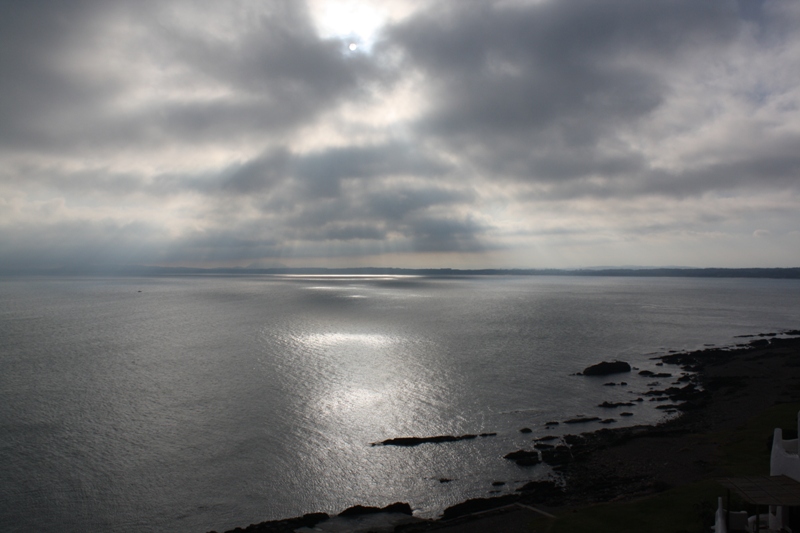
(605, 368)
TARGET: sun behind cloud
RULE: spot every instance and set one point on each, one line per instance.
(354, 21)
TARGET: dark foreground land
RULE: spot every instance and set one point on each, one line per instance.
(642, 478)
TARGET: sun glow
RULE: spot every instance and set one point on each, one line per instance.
(354, 21)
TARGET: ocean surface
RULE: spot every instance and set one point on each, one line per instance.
(199, 403)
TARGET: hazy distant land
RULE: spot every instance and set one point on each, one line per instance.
(682, 272)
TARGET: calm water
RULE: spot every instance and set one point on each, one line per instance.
(210, 403)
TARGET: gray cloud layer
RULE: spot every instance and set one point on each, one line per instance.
(470, 134)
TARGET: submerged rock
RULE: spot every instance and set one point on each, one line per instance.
(582, 419)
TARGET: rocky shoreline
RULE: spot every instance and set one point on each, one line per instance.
(719, 388)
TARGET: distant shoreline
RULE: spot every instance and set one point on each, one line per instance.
(149, 271)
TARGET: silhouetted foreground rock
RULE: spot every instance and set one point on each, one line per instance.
(311, 520)
(477, 505)
(282, 526)
(542, 492)
(360, 510)
(416, 441)
(605, 368)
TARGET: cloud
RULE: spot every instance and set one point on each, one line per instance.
(101, 76)
(466, 133)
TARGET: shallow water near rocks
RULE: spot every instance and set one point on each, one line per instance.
(206, 403)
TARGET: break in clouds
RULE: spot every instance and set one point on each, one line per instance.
(405, 133)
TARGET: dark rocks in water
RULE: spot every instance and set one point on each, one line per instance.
(416, 441)
(360, 510)
(498, 483)
(543, 446)
(444, 480)
(626, 414)
(690, 395)
(526, 430)
(650, 374)
(608, 421)
(582, 419)
(623, 383)
(667, 406)
(546, 438)
(759, 343)
(794, 332)
(524, 457)
(609, 405)
(552, 423)
(605, 368)
(609, 384)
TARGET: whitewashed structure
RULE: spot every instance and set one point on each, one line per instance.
(784, 461)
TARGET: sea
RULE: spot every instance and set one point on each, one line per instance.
(198, 403)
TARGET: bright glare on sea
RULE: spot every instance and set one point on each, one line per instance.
(199, 403)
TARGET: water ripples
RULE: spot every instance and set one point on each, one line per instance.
(211, 403)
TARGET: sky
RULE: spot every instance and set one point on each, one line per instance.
(399, 133)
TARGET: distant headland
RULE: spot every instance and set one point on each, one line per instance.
(679, 272)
